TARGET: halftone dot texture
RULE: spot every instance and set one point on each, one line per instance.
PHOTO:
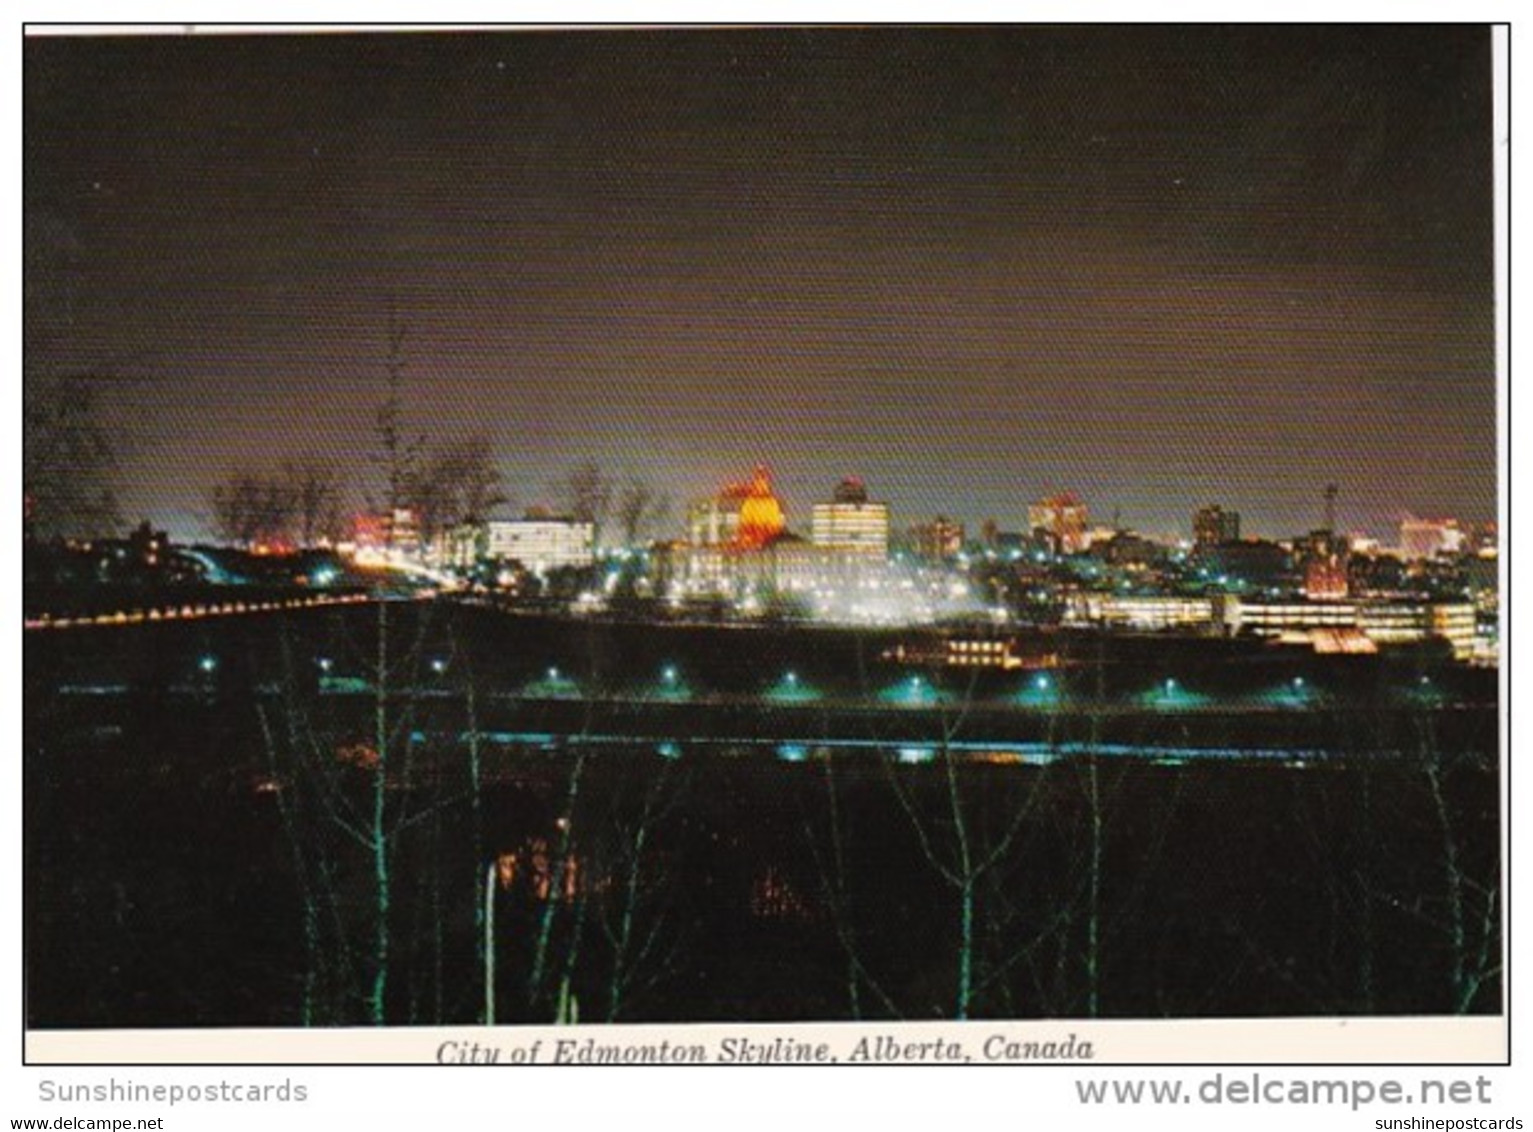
(1159, 267)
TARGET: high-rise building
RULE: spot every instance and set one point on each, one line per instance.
(1063, 518)
(1427, 538)
(851, 522)
(1213, 525)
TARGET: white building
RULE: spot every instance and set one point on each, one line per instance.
(1382, 623)
(1149, 613)
(851, 526)
(1427, 538)
(540, 545)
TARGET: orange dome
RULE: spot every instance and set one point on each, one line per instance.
(761, 520)
(761, 516)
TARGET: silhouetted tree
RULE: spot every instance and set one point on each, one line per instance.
(589, 491)
(69, 458)
(638, 506)
(459, 481)
(314, 486)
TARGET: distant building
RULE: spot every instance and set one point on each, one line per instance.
(1252, 562)
(1145, 613)
(1125, 548)
(939, 539)
(539, 544)
(712, 522)
(851, 522)
(1427, 538)
(786, 565)
(1063, 518)
(1212, 525)
(1327, 624)
(1325, 577)
(745, 516)
(392, 530)
(850, 490)
(1400, 622)
(404, 530)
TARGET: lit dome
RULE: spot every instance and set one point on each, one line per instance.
(761, 516)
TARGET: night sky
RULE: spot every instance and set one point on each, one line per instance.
(1160, 267)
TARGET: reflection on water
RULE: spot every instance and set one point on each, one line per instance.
(1036, 754)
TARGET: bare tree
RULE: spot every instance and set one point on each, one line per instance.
(460, 481)
(250, 508)
(589, 490)
(68, 457)
(314, 486)
(638, 506)
(399, 452)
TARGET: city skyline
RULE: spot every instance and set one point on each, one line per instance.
(1161, 267)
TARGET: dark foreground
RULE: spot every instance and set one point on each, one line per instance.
(265, 842)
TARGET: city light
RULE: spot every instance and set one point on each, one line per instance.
(208, 663)
(791, 689)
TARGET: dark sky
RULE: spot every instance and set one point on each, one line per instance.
(1160, 267)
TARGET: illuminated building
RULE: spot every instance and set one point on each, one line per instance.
(1427, 538)
(396, 530)
(1325, 578)
(460, 547)
(539, 544)
(404, 532)
(1063, 518)
(1396, 622)
(1213, 525)
(1146, 613)
(738, 546)
(711, 522)
(968, 652)
(941, 538)
(1125, 548)
(1381, 623)
(745, 516)
(761, 515)
(851, 522)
